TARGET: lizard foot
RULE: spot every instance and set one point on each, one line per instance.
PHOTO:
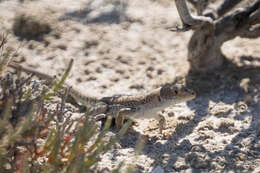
(162, 123)
(162, 127)
(100, 117)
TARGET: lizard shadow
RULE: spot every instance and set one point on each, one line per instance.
(222, 85)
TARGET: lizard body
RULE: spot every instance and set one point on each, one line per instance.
(127, 106)
(147, 105)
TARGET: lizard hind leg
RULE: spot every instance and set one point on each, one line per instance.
(162, 123)
(120, 117)
(120, 121)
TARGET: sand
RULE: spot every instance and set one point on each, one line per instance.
(125, 48)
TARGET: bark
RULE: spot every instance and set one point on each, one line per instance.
(204, 48)
(199, 5)
(204, 52)
(189, 19)
(226, 6)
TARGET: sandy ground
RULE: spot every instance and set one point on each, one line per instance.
(124, 48)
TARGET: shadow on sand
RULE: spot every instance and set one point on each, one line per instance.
(112, 13)
(222, 85)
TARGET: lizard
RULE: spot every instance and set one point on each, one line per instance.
(123, 107)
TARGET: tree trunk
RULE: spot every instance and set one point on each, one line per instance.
(204, 50)
(211, 30)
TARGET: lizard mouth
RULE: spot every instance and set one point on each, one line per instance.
(193, 94)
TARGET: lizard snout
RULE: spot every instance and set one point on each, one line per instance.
(190, 92)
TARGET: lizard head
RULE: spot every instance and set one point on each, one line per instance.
(176, 93)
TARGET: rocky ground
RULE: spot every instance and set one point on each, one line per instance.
(123, 47)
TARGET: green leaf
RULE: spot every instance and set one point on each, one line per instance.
(59, 85)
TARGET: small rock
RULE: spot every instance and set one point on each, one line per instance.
(220, 110)
(180, 164)
(165, 158)
(198, 160)
(256, 170)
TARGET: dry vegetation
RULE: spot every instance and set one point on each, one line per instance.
(38, 134)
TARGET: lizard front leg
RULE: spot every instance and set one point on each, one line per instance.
(162, 122)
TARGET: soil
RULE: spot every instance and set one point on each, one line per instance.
(125, 48)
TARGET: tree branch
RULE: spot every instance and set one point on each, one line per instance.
(250, 33)
(255, 15)
(187, 18)
(239, 22)
(193, 2)
(226, 6)
(202, 6)
(199, 5)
